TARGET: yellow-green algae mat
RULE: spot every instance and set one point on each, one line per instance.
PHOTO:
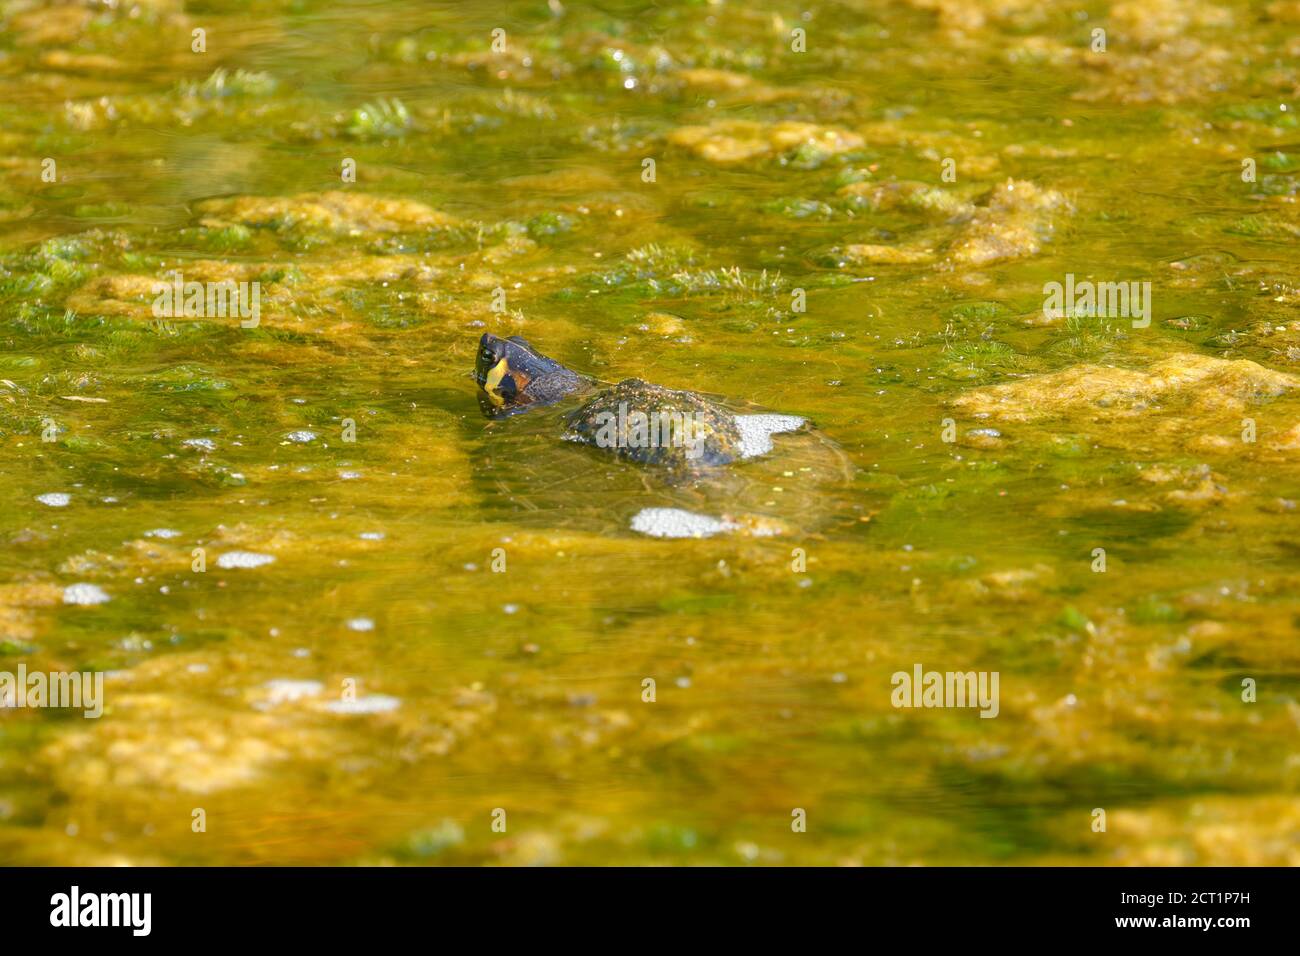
(344, 619)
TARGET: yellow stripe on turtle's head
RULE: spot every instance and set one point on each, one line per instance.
(493, 381)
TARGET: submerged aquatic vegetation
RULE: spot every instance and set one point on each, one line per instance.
(733, 283)
(978, 357)
(1088, 337)
(223, 83)
(383, 119)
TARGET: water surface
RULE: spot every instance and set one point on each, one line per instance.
(377, 690)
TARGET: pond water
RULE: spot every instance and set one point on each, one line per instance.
(345, 618)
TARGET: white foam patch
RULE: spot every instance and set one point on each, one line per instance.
(283, 691)
(370, 704)
(55, 499)
(243, 559)
(676, 523)
(84, 595)
(756, 431)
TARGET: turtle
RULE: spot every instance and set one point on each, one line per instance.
(680, 463)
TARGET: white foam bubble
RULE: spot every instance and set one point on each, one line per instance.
(243, 559)
(756, 431)
(282, 690)
(301, 437)
(370, 704)
(84, 595)
(55, 499)
(677, 523)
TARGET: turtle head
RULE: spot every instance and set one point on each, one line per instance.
(514, 375)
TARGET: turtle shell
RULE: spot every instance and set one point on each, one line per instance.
(795, 481)
(678, 432)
